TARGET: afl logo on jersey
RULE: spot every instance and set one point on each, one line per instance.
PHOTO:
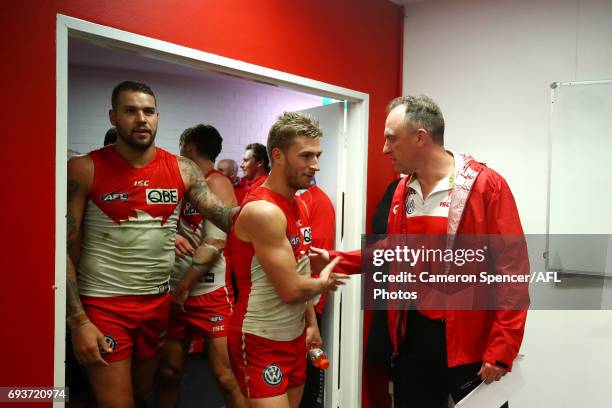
(162, 196)
(272, 375)
(307, 234)
(294, 240)
(115, 196)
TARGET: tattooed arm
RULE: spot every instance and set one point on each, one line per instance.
(200, 196)
(85, 336)
(212, 245)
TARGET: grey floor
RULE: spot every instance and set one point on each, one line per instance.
(199, 388)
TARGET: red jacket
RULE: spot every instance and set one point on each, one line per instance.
(481, 203)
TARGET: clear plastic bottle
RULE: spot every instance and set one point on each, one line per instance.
(318, 358)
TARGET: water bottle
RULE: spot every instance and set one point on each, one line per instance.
(318, 358)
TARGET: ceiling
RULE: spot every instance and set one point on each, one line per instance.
(86, 52)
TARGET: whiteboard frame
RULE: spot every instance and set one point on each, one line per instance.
(553, 97)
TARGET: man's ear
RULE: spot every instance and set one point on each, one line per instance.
(422, 136)
(277, 156)
(112, 116)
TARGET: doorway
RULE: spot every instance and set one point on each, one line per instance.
(344, 313)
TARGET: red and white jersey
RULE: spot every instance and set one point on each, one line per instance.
(129, 225)
(259, 310)
(195, 229)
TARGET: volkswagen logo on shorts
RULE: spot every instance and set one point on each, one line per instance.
(111, 344)
(272, 375)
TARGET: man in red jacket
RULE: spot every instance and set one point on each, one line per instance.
(448, 352)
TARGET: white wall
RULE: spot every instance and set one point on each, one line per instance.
(489, 64)
(241, 110)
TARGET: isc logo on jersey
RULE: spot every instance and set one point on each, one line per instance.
(162, 196)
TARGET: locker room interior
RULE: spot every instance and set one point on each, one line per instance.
(487, 63)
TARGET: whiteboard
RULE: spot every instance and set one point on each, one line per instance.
(580, 179)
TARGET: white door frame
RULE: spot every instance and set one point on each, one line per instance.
(346, 390)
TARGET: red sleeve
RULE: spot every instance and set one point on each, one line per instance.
(351, 261)
(510, 258)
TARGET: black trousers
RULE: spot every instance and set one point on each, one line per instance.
(421, 374)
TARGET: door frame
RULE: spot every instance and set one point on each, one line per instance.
(346, 377)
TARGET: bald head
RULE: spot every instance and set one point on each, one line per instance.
(229, 168)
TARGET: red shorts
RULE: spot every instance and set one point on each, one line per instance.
(205, 315)
(131, 322)
(266, 368)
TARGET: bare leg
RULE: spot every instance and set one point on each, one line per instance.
(280, 401)
(220, 364)
(112, 385)
(169, 375)
(143, 374)
(295, 395)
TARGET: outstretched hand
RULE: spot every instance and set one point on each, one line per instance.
(330, 279)
(319, 258)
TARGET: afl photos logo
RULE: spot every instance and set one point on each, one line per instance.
(272, 375)
(162, 196)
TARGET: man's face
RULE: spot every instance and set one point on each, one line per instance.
(226, 168)
(249, 165)
(401, 142)
(135, 119)
(302, 162)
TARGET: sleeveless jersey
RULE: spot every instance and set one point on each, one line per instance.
(129, 225)
(194, 228)
(259, 310)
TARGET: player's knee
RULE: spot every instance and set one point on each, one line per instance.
(169, 373)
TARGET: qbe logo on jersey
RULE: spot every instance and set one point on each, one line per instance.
(307, 234)
(272, 375)
(162, 196)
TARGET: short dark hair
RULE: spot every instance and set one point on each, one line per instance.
(130, 86)
(260, 154)
(206, 139)
(111, 136)
(421, 111)
(290, 125)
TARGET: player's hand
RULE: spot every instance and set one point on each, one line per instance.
(489, 372)
(87, 341)
(182, 247)
(313, 336)
(319, 258)
(330, 279)
(179, 296)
